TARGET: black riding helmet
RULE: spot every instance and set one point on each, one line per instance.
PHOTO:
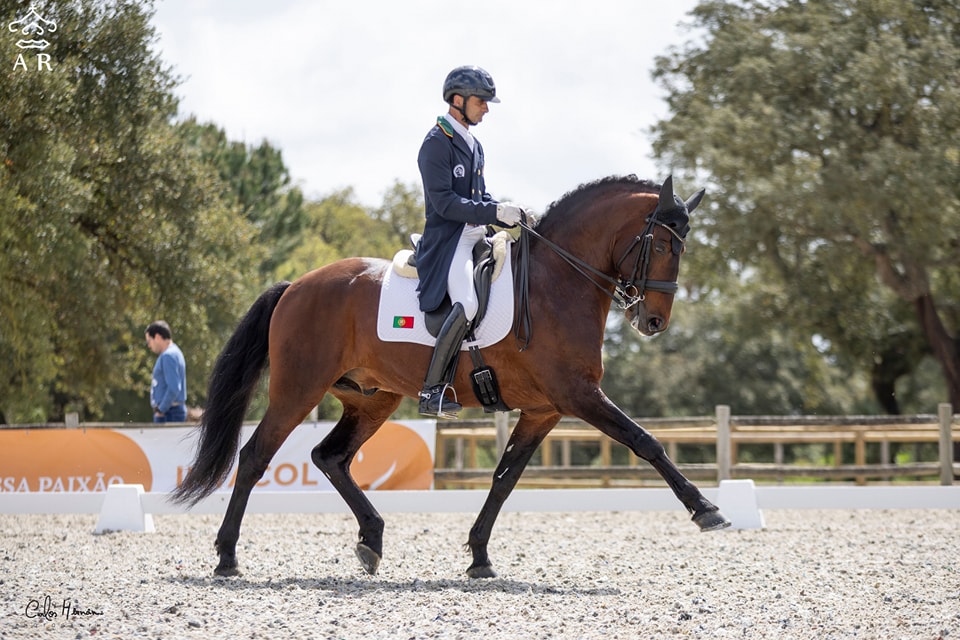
(469, 81)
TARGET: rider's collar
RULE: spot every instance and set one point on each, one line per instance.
(449, 125)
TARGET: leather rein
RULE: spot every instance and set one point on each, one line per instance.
(626, 291)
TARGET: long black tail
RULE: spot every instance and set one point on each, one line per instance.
(234, 379)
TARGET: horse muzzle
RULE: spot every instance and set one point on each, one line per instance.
(647, 324)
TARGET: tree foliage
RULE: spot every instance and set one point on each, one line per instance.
(828, 132)
(257, 181)
(338, 227)
(823, 266)
(108, 220)
(725, 353)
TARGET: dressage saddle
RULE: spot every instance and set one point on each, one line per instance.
(484, 266)
(483, 379)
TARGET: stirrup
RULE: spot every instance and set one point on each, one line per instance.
(432, 402)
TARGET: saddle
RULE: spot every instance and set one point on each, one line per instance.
(488, 261)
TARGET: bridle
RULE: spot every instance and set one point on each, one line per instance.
(626, 291)
(630, 292)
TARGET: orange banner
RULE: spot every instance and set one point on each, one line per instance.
(70, 460)
(398, 456)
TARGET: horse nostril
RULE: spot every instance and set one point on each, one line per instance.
(655, 324)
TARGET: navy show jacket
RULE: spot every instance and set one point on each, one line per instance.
(455, 194)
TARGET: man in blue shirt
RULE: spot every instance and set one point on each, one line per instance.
(168, 389)
(458, 208)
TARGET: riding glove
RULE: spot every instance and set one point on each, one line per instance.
(508, 213)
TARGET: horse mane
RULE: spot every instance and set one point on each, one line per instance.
(571, 200)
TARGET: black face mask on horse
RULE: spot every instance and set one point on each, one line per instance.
(617, 240)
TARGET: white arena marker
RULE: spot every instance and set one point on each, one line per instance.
(737, 500)
(122, 510)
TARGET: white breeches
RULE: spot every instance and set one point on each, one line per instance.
(460, 279)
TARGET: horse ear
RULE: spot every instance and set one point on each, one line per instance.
(666, 195)
(694, 200)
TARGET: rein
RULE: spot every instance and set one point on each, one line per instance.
(626, 292)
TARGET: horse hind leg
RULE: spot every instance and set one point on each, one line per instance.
(254, 458)
(362, 417)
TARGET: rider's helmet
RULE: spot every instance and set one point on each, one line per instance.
(469, 81)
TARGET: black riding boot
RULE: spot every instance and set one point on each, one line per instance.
(441, 371)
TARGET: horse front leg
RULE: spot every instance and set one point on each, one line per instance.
(609, 419)
(526, 437)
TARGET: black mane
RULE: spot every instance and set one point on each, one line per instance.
(569, 200)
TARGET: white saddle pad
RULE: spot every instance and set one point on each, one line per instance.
(399, 318)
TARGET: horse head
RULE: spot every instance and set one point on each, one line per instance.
(650, 264)
(633, 257)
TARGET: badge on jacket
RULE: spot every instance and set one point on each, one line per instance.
(459, 171)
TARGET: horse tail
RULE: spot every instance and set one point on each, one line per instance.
(233, 382)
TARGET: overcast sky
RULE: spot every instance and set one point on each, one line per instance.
(347, 90)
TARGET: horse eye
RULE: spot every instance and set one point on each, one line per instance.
(660, 247)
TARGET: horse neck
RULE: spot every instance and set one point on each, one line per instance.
(593, 229)
(590, 233)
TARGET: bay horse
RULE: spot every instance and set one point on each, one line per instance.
(617, 239)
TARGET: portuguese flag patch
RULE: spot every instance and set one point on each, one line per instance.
(403, 322)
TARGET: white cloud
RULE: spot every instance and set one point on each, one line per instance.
(348, 90)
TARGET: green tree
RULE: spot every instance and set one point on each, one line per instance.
(258, 181)
(828, 133)
(107, 219)
(339, 227)
(687, 370)
(402, 211)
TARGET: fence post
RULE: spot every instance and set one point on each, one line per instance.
(500, 423)
(860, 454)
(945, 412)
(723, 442)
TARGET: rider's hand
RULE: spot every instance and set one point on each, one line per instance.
(508, 213)
(532, 216)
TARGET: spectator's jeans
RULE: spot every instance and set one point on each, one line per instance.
(173, 414)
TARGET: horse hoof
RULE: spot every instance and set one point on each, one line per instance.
(228, 571)
(481, 571)
(711, 520)
(369, 558)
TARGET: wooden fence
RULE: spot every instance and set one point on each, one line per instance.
(462, 446)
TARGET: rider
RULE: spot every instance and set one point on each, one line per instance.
(458, 208)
